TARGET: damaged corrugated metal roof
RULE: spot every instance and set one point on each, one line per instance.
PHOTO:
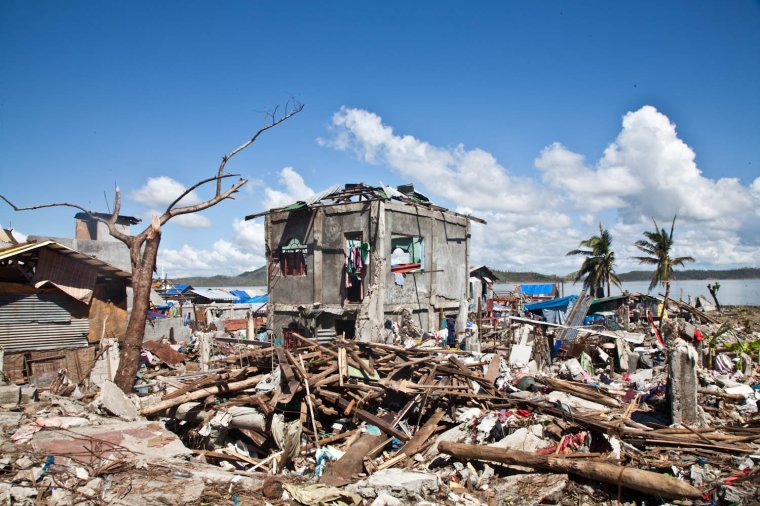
(214, 294)
(28, 249)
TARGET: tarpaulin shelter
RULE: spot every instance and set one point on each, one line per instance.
(554, 310)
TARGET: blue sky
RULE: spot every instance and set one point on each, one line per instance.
(545, 118)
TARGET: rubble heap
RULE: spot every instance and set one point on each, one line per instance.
(607, 416)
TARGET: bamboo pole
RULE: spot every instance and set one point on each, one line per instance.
(635, 479)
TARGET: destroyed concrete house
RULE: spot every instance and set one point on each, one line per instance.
(350, 260)
(55, 303)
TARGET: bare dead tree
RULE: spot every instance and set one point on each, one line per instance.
(143, 247)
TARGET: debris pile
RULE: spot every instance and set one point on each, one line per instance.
(542, 414)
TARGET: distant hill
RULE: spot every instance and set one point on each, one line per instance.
(535, 277)
(743, 273)
(248, 278)
(525, 277)
(259, 277)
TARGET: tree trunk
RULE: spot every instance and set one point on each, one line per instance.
(664, 309)
(714, 295)
(143, 265)
(635, 479)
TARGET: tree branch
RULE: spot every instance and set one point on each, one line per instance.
(170, 213)
(187, 192)
(297, 107)
(111, 224)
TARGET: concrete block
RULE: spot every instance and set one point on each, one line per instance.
(398, 483)
(10, 395)
(28, 394)
(115, 401)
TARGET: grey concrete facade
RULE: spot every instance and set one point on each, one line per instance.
(319, 300)
(112, 252)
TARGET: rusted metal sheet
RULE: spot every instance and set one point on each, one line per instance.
(108, 313)
(165, 352)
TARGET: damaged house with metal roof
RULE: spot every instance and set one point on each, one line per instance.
(56, 304)
(350, 260)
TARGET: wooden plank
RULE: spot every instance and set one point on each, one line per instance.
(422, 435)
(349, 465)
(290, 382)
(493, 369)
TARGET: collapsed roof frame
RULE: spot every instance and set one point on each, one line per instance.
(359, 192)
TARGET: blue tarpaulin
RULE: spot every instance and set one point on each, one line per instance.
(258, 299)
(560, 303)
(537, 289)
(177, 290)
(553, 311)
(240, 294)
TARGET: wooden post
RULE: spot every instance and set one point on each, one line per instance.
(311, 406)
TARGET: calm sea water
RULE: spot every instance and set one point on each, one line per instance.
(733, 292)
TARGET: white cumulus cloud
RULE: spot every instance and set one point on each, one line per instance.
(294, 189)
(468, 177)
(161, 191)
(647, 171)
(158, 192)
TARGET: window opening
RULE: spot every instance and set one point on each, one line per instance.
(355, 268)
(407, 254)
(293, 258)
(346, 328)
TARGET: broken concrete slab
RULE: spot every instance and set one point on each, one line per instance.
(28, 394)
(530, 489)
(120, 441)
(10, 395)
(10, 418)
(523, 439)
(398, 483)
(114, 400)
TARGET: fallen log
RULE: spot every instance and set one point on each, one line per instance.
(201, 394)
(635, 479)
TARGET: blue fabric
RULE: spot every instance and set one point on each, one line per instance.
(537, 289)
(258, 299)
(560, 303)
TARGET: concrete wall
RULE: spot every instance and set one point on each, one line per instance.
(111, 252)
(159, 328)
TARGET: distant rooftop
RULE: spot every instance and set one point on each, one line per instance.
(121, 220)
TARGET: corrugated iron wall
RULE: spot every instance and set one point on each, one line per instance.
(32, 322)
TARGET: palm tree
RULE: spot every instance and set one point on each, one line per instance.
(598, 268)
(657, 246)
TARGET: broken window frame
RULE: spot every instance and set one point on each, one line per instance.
(416, 244)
